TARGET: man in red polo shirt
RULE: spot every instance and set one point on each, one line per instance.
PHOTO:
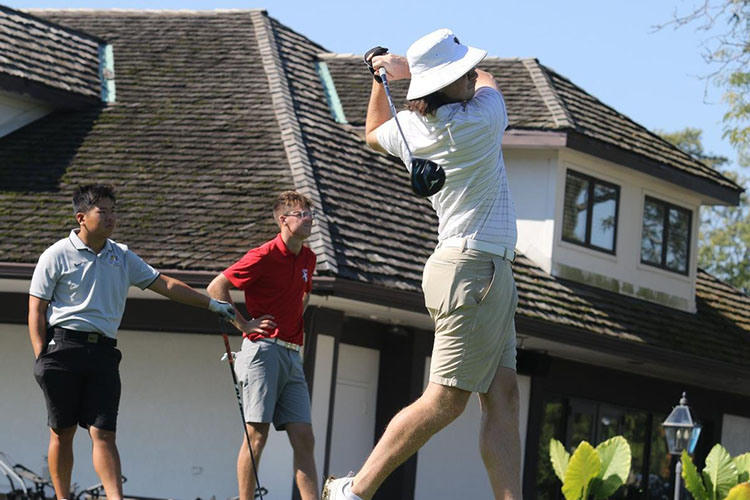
(276, 278)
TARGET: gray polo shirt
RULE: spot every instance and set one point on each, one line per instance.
(86, 290)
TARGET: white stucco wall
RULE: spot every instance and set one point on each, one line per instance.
(179, 426)
(17, 110)
(537, 181)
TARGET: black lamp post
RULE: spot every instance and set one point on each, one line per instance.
(682, 433)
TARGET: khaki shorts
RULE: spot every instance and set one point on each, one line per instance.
(472, 298)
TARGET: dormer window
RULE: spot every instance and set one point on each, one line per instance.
(590, 212)
(665, 241)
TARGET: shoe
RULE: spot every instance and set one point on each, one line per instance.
(333, 489)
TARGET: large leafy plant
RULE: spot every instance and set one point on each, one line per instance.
(591, 472)
(722, 478)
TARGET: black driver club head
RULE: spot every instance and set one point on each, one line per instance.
(427, 177)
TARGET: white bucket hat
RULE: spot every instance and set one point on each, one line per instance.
(438, 59)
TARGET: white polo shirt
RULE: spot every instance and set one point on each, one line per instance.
(86, 290)
(465, 140)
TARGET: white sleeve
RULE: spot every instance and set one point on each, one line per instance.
(390, 139)
(491, 104)
(46, 274)
(139, 273)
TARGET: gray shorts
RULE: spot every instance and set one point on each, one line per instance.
(272, 384)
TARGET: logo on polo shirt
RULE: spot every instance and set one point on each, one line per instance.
(304, 275)
(113, 260)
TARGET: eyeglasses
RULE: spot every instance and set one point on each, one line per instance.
(302, 214)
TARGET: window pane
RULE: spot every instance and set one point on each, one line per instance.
(659, 464)
(575, 209)
(634, 430)
(653, 231)
(552, 427)
(677, 240)
(603, 217)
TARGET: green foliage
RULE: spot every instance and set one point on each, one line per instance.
(583, 467)
(739, 492)
(742, 462)
(720, 476)
(559, 457)
(595, 473)
(720, 472)
(692, 478)
(690, 141)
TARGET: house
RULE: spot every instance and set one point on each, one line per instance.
(201, 118)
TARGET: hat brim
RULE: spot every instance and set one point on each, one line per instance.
(441, 76)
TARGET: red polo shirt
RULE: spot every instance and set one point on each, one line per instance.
(274, 281)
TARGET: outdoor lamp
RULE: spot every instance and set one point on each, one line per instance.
(682, 433)
(680, 429)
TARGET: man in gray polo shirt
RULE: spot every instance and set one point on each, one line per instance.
(77, 298)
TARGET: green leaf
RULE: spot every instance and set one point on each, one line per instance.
(559, 457)
(584, 466)
(692, 479)
(721, 471)
(740, 492)
(742, 462)
(616, 457)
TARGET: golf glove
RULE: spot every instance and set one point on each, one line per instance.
(375, 51)
(223, 309)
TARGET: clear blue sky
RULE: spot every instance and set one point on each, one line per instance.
(608, 47)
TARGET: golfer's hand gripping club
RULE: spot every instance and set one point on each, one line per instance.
(225, 310)
(375, 51)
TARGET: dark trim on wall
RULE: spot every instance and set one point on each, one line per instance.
(335, 325)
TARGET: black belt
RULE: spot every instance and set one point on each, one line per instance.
(82, 337)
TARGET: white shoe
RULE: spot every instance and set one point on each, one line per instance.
(333, 489)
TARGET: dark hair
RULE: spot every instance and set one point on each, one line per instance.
(85, 197)
(289, 199)
(428, 104)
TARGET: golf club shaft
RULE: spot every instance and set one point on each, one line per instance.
(387, 88)
(230, 358)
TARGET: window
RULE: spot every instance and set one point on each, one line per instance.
(665, 241)
(590, 212)
(572, 420)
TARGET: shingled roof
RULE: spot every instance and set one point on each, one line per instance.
(48, 61)
(219, 111)
(539, 99)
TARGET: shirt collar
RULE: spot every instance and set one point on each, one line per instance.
(278, 242)
(80, 245)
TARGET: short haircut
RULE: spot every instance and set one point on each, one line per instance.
(85, 197)
(287, 200)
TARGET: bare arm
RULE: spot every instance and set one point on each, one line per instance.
(305, 301)
(219, 290)
(37, 323)
(179, 292)
(378, 111)
(485, 79)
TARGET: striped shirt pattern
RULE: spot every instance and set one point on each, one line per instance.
(465, 139)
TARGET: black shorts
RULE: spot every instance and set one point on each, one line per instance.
(81, 383)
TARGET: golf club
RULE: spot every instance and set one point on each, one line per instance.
(230, 357)
(427, 177)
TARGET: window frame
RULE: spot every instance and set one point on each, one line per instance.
(665, 235)
(589, 211)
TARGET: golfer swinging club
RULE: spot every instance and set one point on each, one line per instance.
(455, 117)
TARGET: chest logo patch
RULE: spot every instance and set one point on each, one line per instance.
(304, 275)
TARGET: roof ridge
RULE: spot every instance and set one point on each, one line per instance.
(560, 114)
(291, 136)
(142, 11)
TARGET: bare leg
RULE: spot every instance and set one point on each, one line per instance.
(499, 442)
(60, 459)
(107, 462)
(245, 475)
(407, 433)
(303, 444)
